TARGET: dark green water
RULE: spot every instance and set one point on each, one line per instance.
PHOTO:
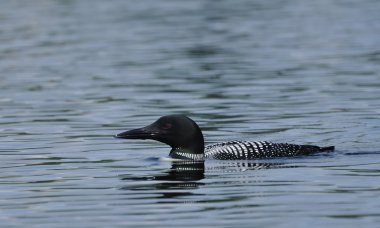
(74, 73)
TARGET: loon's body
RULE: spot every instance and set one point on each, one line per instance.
(186, 139)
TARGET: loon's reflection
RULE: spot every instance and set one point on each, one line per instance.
(181, 176)
(185, 176)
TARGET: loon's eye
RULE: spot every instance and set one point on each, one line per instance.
(167, 126)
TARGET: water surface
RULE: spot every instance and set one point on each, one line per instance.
(74, 73)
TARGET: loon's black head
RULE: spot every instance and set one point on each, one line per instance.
(178, 131)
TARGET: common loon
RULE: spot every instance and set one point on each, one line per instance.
(186, 139)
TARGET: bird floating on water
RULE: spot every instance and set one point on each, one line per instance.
(186, 140)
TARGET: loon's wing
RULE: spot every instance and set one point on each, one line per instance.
(235, 150)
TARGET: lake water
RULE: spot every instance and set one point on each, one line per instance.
(75, 73)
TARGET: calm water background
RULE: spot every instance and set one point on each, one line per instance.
(74, 73)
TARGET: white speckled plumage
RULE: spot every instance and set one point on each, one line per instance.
(250, 150)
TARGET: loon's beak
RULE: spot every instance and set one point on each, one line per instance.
(139, 133)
